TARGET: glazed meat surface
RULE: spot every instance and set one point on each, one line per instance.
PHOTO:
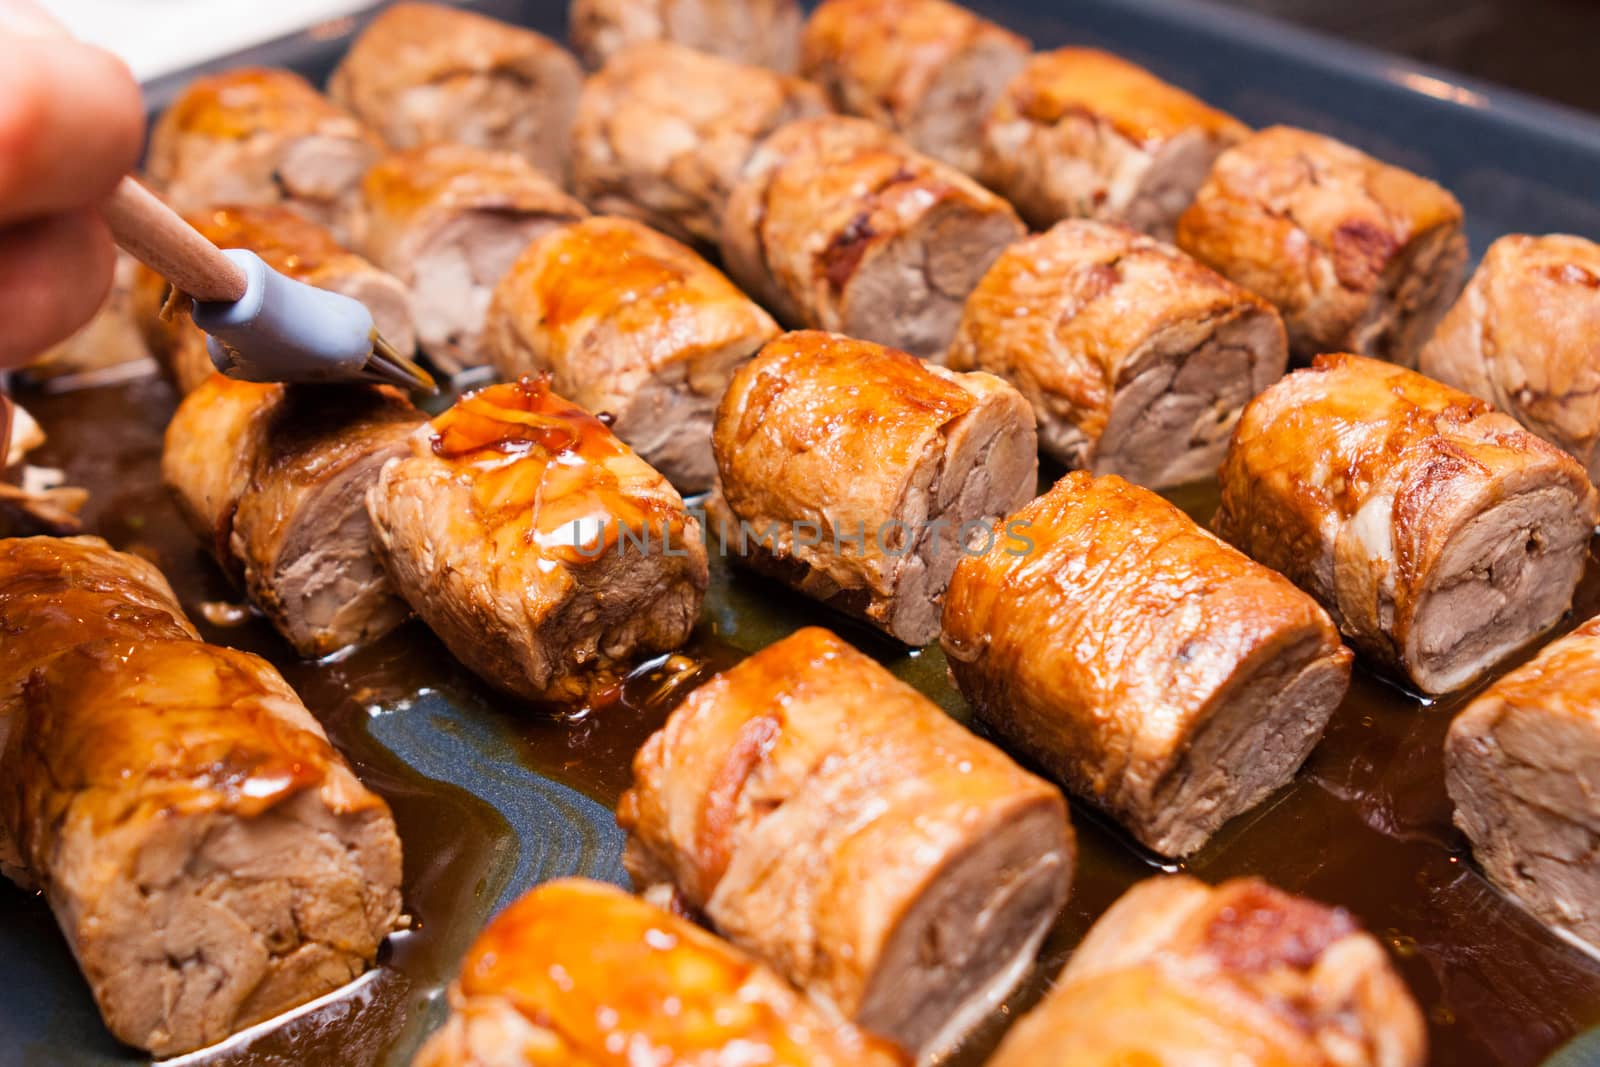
(1136, 359)
(857, 474)
(763, 33)
(1178, 974)
(542, 551)
(448, 220)
(1525, 335)
(663, 131)
(1143, 663)
(577, 973)
(1359, 256)
(833, 821)
(1439, 534)
(839, 225)
(630, 322)
(927, 69)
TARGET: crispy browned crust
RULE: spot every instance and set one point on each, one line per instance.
(763, 33)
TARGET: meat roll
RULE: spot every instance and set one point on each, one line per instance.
(1519, 763)
(763, 33)
(629, 322)
(448, 220)
(663, 131)
(1438, 533)
(576, 973)
(1525, 335)
(274, 480)
(927, 69)
(1136, 359)
(858, 474)
(545, 554)
(838, 225)
(1142, 662)
(261, 136)
(1178, 974)
(835, 822)
(1358, 255)
(421, 73)
(1081, 133)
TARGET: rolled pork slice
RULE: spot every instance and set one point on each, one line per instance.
(1178, 974)
(1439, 534)
(421, 73)
(576, 973)
(545, 554)
(859, 475)
(273, 479)
(1081, 133)
(629, 322)
(261, 136)
(1519, 763)
(1525, 336)
(839, 225)
(210, 858)
(840, 826)
(1135, 358)
(448, 220)
(927, 69)
(663, 131)
(1358, 255)
(763, 33)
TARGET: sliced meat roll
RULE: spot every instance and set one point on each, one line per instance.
(577, 973)
(835, 822)
(421, 73)
(1178, 974)
(1136, 359)
(274, 480)
(1142, 662)
(542, 551)
(449, 220)
(763, 33)
(1520, 763)
(839, 225)
(261, 136)
(1081, 133)
(663, 131)
(927, 69)
(629, 322)
(858, 474)
(1359, 256)
(211, 859)
(1525, 335)
(1439, 534)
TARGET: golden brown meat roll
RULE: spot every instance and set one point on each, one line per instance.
(1359, 256)
(835, 822)
(859, 475)
(927, 69)
(763, 33)
(1178, 974)
(1081, 133)
(421, 73)
(448, 220)
(1135, 358)
(1520, 763)
(542, 551)
(577, 973)
(630, 322)
(1525, 335)
(839, 225)
(1143, 663)
(1439, 534)
(663, 131)
(261, 136)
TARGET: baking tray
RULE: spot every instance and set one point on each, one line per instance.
(492, 797)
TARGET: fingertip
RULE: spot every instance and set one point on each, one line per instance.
(55, 273)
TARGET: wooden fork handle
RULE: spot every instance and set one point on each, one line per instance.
(159, 238)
